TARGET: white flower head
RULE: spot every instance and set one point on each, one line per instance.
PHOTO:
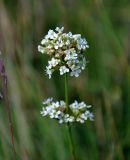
(65, 50)
(78, 112)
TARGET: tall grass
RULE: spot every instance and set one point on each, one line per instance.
(105, 83)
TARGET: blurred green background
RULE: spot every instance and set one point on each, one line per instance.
(105, 83)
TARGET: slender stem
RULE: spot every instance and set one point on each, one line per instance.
(66, 93)
(68, 125)
(5, 90)
(71, 142)
(10, 122)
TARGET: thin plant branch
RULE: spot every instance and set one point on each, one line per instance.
(5, 90)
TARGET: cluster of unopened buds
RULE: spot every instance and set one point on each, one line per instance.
(65, 51)
(75, 112)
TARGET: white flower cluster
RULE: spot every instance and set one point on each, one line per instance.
(65, 51)
(78, 112)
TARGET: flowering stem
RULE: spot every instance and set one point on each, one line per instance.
(68, 125)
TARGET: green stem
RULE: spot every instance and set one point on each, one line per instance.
(68, 125)
(66, 93)
(71, 142)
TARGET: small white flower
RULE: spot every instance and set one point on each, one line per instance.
(51, 35)
(63, 69)
(56, 104)
(52, 114)
(80, 120)
(59, 44)
(47, 101)
(91, 116)
(49, 46)
(60, 30)
(82, 44)
(48, 71)
(70, 55)
(44, 41)
(71, 119)
(82, 105)
(41, 49)
(77, 36)
(69, 35)
(61, 121)
(56, 46)
(67, 42)
(89, 106)
(76, 72)
(53, 62)
(83, 63)
(43, 113)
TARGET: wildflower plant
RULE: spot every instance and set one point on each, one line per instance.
(66, 53)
